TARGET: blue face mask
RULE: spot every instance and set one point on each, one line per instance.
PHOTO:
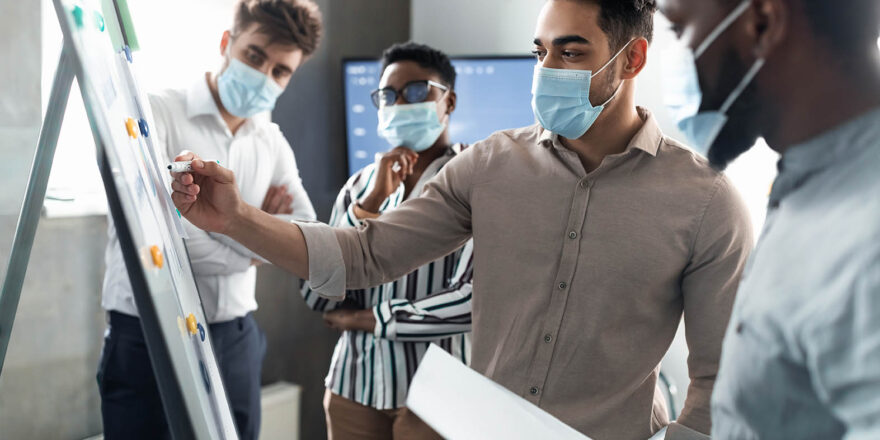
(245, 91)
(415, 126)
(684, 98)
(561, 99)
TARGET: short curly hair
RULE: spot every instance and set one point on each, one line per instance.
(290, 22)
(624, 20)
(425, 56)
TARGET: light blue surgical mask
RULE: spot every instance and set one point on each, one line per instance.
(245, 91)
(683, 96)
(561, 99)
(415, 126)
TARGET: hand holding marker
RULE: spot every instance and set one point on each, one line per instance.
(182, 167)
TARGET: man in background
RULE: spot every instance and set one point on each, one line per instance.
(801, 357)
(225, 115)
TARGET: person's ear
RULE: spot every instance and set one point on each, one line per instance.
(451, 99)
(224, 42)
(636, 57)
(767, 25)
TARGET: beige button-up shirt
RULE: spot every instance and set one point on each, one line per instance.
(580, 279)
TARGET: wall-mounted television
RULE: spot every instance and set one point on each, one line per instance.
(494, 93)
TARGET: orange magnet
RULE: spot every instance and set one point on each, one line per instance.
(191, 324)
(158, 260)
(132, 128)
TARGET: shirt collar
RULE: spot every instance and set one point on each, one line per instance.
(199, 100)
(647, 139)
(801, 161)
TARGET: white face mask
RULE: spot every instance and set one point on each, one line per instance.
(682, 88)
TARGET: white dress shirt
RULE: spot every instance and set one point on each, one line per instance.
(260, 156)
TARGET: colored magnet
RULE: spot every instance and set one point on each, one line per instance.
(77, 16)
(142, 125)
(191, 324)
(99, 21)
(158, 259)
(127, 51)
(201, 332)
(131, 127)
(205, 376)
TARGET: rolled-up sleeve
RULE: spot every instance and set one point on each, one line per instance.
(326, 265)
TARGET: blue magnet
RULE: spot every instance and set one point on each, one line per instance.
(205, 376)
(201, 332)
(145, 130)
(99, 21)
(127, 51)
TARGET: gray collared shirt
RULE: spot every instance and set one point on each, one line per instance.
(580, 279)
(801, 357)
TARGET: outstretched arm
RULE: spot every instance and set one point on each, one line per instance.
(419, 231)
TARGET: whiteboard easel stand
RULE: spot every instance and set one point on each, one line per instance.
(29, 218)
(176, 413)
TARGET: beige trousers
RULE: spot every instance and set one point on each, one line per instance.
(349, 420)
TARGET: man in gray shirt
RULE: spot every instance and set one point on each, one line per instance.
(801, 357)
(592, 231)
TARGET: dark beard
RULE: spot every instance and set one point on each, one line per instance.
(739, 134)
(741, 131)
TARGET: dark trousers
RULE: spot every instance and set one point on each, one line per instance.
(130, 403)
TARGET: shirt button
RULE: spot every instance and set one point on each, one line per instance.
(739, 328)
(548, 338)
(533, 391)
(562, 285)
(584, 184)
(572, 235)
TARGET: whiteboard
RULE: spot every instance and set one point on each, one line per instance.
(147, 224)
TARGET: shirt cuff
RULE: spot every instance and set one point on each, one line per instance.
(386, 327)
(677, 431)
(381, 312)
(326, 266)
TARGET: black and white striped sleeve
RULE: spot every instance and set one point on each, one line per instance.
(442, 314)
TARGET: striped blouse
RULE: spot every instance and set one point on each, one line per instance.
(429, 305)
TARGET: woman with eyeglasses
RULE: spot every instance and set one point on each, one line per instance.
(387, 329)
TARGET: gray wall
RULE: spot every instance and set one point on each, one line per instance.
(48, 388)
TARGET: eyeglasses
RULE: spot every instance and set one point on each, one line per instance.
(413, 92)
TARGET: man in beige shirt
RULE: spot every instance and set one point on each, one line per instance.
(591, 237)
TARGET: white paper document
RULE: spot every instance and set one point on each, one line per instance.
(461, 404)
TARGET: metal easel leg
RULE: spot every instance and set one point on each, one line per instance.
(33, 200)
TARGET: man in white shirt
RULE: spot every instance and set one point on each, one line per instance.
(224, 114)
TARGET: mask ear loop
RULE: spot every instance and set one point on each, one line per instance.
(750, 75)
(613, 58)
(726, 23)
(619, 86)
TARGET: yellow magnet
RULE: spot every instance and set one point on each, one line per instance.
(156, 253)
(191, 324)
(132, 128)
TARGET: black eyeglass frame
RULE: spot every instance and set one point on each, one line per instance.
(391, 94)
